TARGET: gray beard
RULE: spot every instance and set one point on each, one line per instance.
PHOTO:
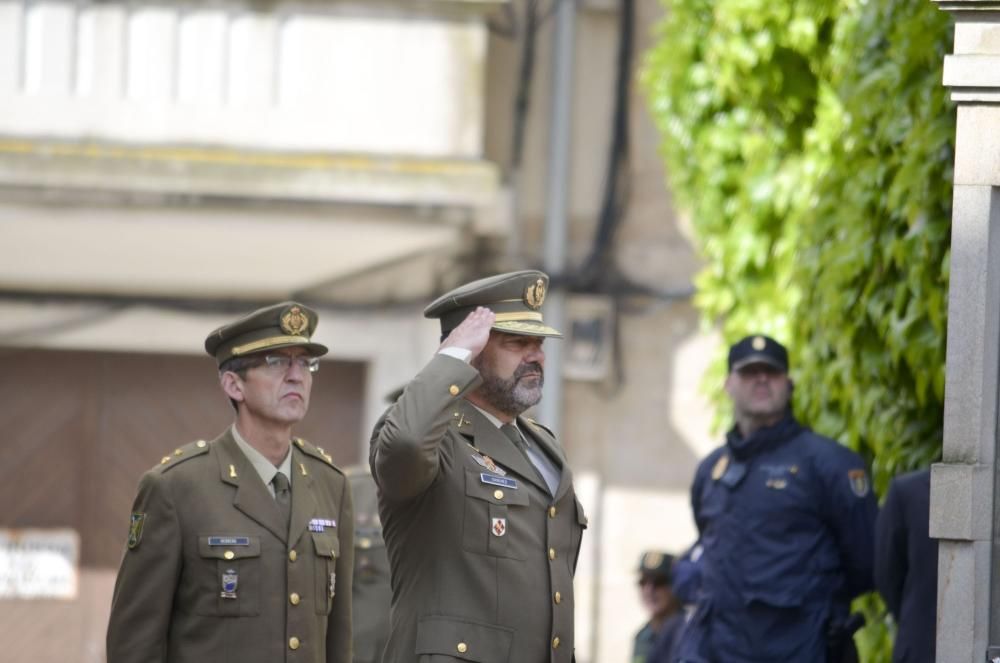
(511, 396)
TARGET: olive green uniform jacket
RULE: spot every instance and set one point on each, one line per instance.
(372, 593)
(481, 571)
(208, 520)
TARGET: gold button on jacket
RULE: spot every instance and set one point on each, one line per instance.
(167, 606)
(471, 566)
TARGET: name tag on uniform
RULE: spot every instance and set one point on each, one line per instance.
(320, 524)
(229, 540)
(493, 480)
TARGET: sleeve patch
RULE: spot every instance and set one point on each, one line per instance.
(859, 482)
(135, 530)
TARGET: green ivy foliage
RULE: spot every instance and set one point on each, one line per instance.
(811, 143)
(870, 329)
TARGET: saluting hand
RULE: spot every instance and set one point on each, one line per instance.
(472, 333)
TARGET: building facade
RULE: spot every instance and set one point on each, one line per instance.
(166, 165)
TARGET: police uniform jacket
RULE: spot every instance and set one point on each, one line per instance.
(482, 561)
(786, 520)
(906, 566)
(208, 526)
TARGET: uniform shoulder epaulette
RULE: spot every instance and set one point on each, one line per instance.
(181, 454)
(538, 425)
(316, 452)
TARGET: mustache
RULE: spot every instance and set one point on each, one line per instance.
(524, 369)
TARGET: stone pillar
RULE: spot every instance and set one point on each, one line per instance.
(963, 485)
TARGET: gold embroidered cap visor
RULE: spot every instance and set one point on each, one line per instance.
(515, 297)
(284, 325)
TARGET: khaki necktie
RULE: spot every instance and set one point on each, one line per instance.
(283, 496)
(514, 435)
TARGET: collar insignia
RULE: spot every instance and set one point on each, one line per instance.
(720, 467)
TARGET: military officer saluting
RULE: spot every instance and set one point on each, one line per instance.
(241, 549)
(480, 519)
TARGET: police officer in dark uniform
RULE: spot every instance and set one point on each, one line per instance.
(241, 548)
(906, 565)
(786, 520)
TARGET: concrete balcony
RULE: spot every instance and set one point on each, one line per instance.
(329, 102)
(314, 77)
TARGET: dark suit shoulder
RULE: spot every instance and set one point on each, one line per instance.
(180, 455)
(912, 482)
(318, 453)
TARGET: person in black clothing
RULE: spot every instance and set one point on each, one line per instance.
(906, 566)
(654, 643)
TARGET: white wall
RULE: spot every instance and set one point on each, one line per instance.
(293, 78)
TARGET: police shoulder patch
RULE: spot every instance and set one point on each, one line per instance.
(859, 482)
(135, 529)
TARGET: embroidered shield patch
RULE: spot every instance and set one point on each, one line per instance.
(499, 527)
(859, 482)
(135, 529)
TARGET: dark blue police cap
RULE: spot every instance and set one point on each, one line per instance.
(657, 564)
(758, 349)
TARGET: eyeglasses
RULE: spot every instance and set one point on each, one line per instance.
(653, 580)
(281, 363)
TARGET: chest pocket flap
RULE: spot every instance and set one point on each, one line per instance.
(462, 640)
(228, 547)
(327, 545)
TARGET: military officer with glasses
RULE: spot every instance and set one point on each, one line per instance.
(479, 514)
(786, 522)
(241, 548)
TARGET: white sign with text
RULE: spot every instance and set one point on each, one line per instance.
(38, 563)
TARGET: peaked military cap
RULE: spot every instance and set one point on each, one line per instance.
(657, 564)
(284, 325)
(758, 349)
(515, 297)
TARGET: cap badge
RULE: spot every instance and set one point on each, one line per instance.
(758, 343)
(652, 560)
(294, 321)
(534, 294)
